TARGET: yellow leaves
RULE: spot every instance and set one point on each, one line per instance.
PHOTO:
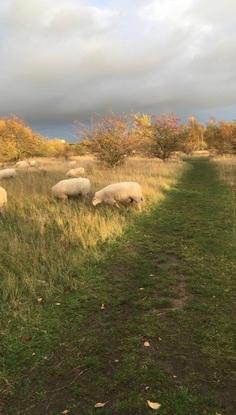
(100, 404)
(2, 124)
(154, 405)
(143, 120)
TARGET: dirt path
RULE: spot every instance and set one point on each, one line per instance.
(169, 282)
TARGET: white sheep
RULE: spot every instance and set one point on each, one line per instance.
(71, 188)
(7, 173)
(75, 172)
(3, 199)
(125, 192)
(22, 164)
(32, 163)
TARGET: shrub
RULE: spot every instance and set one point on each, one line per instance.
(165, 136)
(17, 140)
(221, 137)
(193, 134)
(111, 140)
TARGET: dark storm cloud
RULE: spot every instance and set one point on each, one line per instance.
(63, 60)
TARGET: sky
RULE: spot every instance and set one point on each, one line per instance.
(63, 61)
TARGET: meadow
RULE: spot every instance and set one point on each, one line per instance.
(45, 241)
(116, 306)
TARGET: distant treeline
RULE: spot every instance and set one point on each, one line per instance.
(114, 138)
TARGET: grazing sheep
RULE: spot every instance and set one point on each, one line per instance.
(23, 164)
(71, 188)
(7, 173)
(75, 172)
(3, 199)
(32, 163)
(126, 192)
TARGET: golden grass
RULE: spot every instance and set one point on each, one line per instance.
(227, 169)
(227, 172)
(45, 243)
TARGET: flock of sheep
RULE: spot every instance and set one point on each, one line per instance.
(75, 185)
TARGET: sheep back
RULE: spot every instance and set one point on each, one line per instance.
(3, 198)
(71, 188)
(7, 173)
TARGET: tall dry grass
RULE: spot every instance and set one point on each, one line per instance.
(227, 171)
(45, 243)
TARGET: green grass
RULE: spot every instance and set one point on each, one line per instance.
(182, 254)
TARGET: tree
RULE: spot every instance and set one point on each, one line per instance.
(165, 135)
(142, 131)
(193, 136)
(221, 137)
(17, 139)
(111, 140)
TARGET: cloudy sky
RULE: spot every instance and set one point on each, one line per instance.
(67, 60)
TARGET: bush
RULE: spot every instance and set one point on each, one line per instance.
(111, 140)
(165, 136)
(17, 140)
(221, 137)
(193, 136)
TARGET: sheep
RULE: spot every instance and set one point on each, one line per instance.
(75, 172)
(22, 164)
(71, 188)
(126, 192)
(3, 199)
(7, 173)
(32, 163)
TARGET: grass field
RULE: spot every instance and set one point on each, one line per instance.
(152, 317)
(45, 245)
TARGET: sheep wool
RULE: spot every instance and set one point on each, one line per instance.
(124, 192)
(3, 199)
(23, 164)
(71, 188)
(75, 172)
(7, 173)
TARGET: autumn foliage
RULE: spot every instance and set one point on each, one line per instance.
(19, 141)
(113, 138)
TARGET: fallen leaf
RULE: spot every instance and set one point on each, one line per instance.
(154, 405)
(65, 412)
(103, 307)
(100, 404)
(116, 360)
(39, 300)
(151, 275)
(147, 387)
(141, 289)
(58, 303)
(33, 354)
(146, 344)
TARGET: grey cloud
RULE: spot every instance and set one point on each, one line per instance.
(63, 60)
